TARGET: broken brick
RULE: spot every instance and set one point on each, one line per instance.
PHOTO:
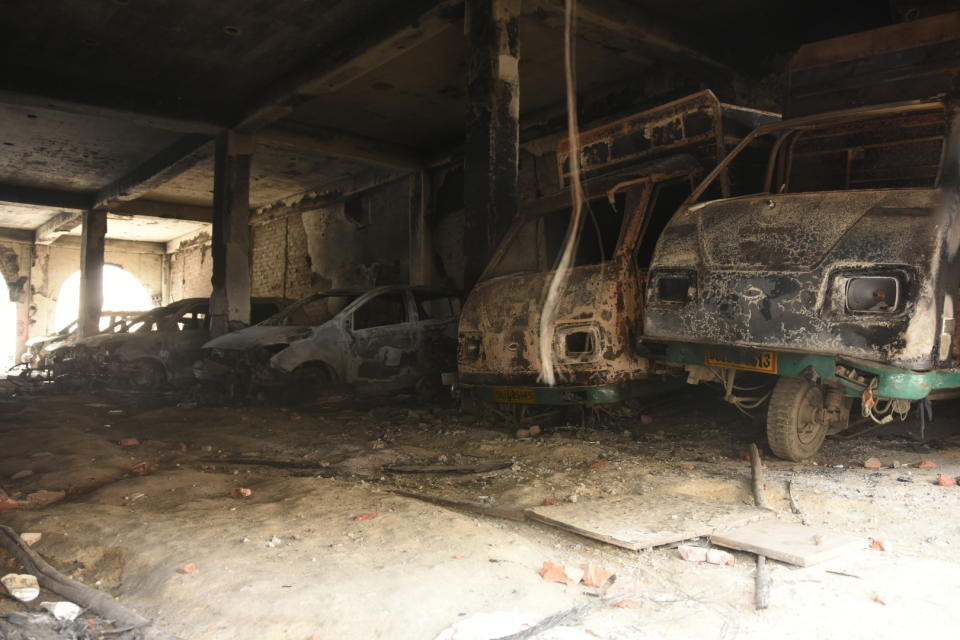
(595, 576)
(926, 464)
(877, 545)
(558, 573)
(43, 497)
(188, 569)
(625, 592)
(182, 447)
(144, 468)
(549, 502)
(721, 557)
(872, 463)
(946, 481)
(129, 442)
(240, 492)
(600, 464)
(9, 503)
(366, 516)
(31, 538)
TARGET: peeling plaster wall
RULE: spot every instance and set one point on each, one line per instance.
(188, 267)
(361, 242)
(53, 264)
(15, 259)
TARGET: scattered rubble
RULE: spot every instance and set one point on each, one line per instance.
(129, 442)
(240, 492)
(946, 481)
(63, 611)
(31, 538)
(872, 463)
(188, 569)
(703, 554)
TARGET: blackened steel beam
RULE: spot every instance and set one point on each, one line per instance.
(410, 24)
(42, 197)
(230, 300)
(137, 116)
(92, 243)
(180, 156)
(491, 151)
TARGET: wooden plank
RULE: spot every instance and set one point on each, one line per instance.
(788, 542)
(644, 521)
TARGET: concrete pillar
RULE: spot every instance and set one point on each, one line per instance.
(421, 250)
(230, 300)
(92, 242)
(493, 129)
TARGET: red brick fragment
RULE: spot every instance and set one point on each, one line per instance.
(240, 492)
(600, 464)
(366, 516)
(872, 463)
(188, 569)
(877, 545)
(946, 481)
(549, 502)
(144, 468)
(926, 464)
(558, 573)
(594, 575)
(129, 442)
(182, 447)
(626, 592)
(9, 503)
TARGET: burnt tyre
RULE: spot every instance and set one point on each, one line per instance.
(147, 375)
(307, 384)
(796, 420)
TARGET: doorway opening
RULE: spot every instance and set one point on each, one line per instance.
(121, 292)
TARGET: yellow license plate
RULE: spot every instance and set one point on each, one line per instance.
(762, 361)
(514, 395)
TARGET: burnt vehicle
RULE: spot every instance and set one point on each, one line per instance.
(152, 351)
(840, 274)
(38, 356)
(637, 171)
(385, 340)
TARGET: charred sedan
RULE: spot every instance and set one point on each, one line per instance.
(380, 341)
(153, 351)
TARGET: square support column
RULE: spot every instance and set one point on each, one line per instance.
(421, 249)
(230, 300)
(92, 243)
(491, 153)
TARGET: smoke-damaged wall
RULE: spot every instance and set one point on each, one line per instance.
(361, 241)
(15, 259)
(188, 269)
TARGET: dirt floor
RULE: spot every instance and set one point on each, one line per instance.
(293, 560)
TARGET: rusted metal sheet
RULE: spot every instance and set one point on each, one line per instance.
(780, 269)
(914, 60)
(637, 163)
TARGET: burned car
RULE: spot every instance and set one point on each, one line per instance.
(637, 172)
(837, 280)
(154, 350)
(385, 340)
(38, 356)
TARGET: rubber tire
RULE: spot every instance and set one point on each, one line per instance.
(148, 375)
(783, 420)
(308, 382)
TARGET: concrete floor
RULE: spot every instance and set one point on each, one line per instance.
(292, 561)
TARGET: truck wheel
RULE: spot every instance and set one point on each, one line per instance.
(796, 425)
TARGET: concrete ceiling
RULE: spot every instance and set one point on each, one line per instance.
(122, 96)
(147, 229)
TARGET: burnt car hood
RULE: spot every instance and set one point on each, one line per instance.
(766, 272)
(505, 312)
(259, 336)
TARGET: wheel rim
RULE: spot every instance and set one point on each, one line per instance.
(810, 416)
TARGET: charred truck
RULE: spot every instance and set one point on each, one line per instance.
(839, 274)
(636, 172)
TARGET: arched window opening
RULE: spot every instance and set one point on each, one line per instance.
(121, 292)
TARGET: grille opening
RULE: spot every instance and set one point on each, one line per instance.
(579, 343)
(673, 288)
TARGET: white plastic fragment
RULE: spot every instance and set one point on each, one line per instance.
(65, 611)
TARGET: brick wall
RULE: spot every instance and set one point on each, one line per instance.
(189, 272)
(281, 260)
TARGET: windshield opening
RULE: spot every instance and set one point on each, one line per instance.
(890, 151)
(539, 241)
(312, 311)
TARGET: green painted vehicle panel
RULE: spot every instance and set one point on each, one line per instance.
(893, 382)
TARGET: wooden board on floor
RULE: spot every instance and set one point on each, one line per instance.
(644, 521)
(788, 542)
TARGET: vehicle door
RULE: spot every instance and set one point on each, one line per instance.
(182, 336)
(436, 331)
(383, 342)
(665, 199)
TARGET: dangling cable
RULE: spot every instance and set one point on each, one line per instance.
(547, 374)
